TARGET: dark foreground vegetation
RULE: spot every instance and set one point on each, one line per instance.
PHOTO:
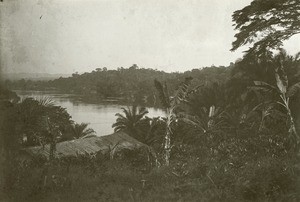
(235, 138)
(191, 176)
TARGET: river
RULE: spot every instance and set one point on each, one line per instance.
(100, 116)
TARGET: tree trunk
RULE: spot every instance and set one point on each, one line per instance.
(292, 127)
(52, 147)
(167, 144)
(167, 147)
(210, 117)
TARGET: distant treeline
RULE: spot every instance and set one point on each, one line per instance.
(131, 84)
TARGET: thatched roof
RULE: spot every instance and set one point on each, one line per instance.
(104, 144)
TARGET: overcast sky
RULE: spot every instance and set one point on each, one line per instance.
(64, 36)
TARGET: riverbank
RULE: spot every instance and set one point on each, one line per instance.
(99, 115)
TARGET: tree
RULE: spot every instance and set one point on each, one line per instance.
(75, 74)
(31, 124)
(283, 92)
(206, 107)
(9, 138)
(51, 135)
(134, 67)
(151, 130)
(79, 131)
(266, 24)
(34, 117)
(171, 106)
(130, 121)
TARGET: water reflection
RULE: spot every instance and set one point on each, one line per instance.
(100, 116)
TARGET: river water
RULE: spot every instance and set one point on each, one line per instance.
(100, 116)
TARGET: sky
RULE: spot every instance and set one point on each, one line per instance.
(67, 36)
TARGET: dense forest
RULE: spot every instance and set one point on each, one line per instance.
(229, 134)
(131, 84)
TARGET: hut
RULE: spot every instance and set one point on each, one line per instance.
(105, 144)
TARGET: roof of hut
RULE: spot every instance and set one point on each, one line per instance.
(104, 144)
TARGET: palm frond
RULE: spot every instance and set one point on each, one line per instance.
(45, 102)
(88, 131)
(127, 112)
(132, 118)
(81, 130)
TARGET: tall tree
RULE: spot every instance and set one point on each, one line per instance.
(265, 24)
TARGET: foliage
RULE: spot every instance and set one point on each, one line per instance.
(77, 131)
(130, 122)
(229, 136)
(172, 106)
(37, 117)
(233, 160)
(31, 122)
(205, 108)
(8, 95)
(270, 108)
(152, 130)
(126, 85)
(186, 179)
(266, 24)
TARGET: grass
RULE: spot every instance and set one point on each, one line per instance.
(132, 178)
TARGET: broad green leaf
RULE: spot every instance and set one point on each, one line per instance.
(293, 89)
(264, 84)
(281, 84)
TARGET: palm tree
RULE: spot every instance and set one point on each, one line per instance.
(34, 117)
(30, 118)
(40, 122)
(80, 131)
(130, 121)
